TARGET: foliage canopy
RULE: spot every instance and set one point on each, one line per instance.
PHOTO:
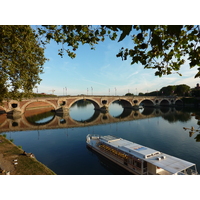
(164, 48)
(21, 61)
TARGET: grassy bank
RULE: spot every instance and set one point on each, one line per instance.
(25, 165)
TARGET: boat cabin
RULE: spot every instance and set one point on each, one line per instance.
(143, 160)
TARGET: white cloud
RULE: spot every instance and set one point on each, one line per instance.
(99, 83)
(132, 75)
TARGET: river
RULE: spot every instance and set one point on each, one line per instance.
(64, 149)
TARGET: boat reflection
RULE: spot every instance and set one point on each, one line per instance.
(112, 167)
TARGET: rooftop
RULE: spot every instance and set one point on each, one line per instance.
(162, 160)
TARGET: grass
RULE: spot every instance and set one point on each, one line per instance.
(26, 165)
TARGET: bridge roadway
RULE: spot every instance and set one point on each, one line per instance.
(20, 123)
(63, 103)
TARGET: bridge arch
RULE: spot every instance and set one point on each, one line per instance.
(147, 111)
(93, 101)
(23, 108)
(178, 102)
(164, 110)
(49, 123)
(52, 116)
(90, 120)
(146, 102)
(2, 110)
(164, 102)
(124, 102)
(126, 113)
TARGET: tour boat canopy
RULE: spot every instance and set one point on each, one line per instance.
(159, 159)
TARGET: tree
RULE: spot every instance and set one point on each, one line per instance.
(196, 92)
(21, 61)
(164, 48)
(182, 89)
(141, 94)
(168, 90)
(129, 94)
(161, 47)
(153, 93)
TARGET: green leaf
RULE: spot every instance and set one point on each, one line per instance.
(125, 31)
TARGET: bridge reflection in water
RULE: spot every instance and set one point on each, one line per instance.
(59, 146)
(44, 118)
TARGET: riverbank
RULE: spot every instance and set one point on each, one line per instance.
(14, 162)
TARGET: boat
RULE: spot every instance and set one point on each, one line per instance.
(138, 159)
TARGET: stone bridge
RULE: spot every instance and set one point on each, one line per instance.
(63, 103)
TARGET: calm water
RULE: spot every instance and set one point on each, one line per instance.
(64, 149)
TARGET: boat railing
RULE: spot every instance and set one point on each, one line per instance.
(93, 136)
(192, 172)
(188, 172)
(145, 170)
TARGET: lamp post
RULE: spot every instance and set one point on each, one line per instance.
(92, 90)
(115, 91)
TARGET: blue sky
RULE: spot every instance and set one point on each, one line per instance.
(100, 72)
(100, 69)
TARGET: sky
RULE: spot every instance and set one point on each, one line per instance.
(100, 72)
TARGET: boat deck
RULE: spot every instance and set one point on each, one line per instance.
(122, 149)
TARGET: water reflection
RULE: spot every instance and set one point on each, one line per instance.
(173, 117)
(116, 109)
(192, 130)
(39, 113)
(77, 111)
(42, 118)
(85, 115)
(58, 141)
(112, 167)
(197, 138)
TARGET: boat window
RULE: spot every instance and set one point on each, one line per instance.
(138, 164)
(145, 164)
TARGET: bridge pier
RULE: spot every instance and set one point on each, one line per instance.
(103, 109)
(62, 110)
(14, 113)
(136, 107)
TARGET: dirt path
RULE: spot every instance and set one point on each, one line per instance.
(6, 165)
